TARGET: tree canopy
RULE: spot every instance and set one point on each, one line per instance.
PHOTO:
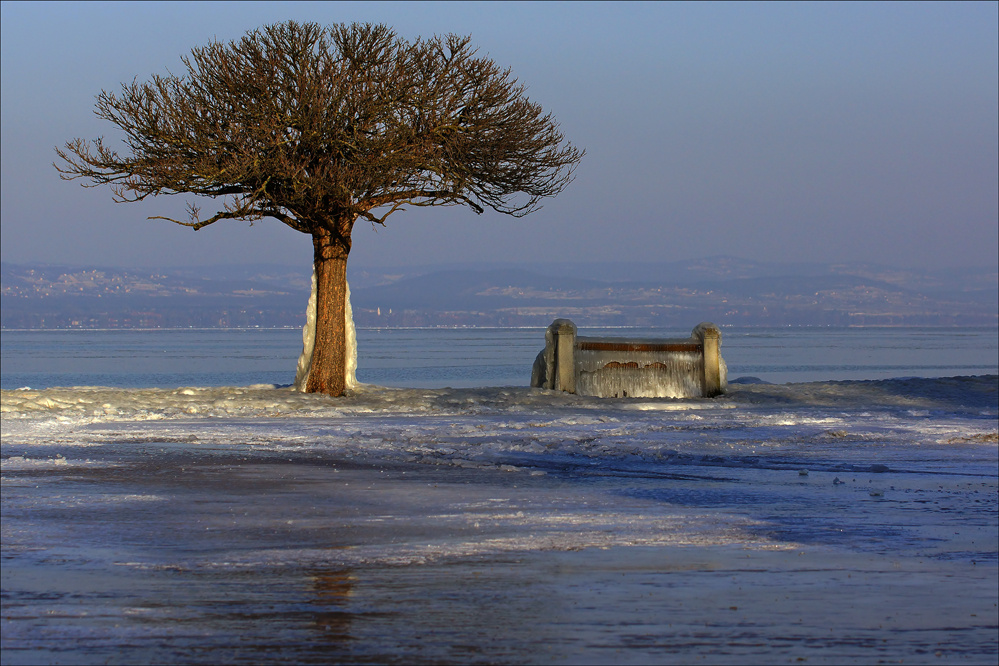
(318, 127)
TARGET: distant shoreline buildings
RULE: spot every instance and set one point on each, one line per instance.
(40, 297)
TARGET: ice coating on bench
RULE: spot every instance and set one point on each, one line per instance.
(636, 368)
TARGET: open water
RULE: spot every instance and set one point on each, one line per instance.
(165, 500)
(436, 358)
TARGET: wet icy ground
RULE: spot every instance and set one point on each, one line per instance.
(829, 522)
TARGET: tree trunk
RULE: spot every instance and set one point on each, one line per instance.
(329, 355)
(309, 341)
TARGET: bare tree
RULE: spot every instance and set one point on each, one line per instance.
(318, 127)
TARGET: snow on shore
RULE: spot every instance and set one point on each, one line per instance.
(866, 425)
(970, 395)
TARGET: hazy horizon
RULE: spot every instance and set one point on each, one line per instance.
(810, 133)
(547, 267)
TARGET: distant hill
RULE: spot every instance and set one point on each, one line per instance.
(726, 290)
(101, 297)
(673, 296)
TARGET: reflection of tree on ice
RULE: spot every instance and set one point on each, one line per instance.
(309, 342)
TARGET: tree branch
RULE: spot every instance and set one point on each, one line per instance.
(303, 124)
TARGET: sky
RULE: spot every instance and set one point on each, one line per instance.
(826, 132)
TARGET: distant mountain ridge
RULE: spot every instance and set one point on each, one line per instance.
(727, 290)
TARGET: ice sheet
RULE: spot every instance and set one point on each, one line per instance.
(972, 395)
(833, 522)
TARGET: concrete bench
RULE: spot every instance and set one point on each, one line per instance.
(631, 368)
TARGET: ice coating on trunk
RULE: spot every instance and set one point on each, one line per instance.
(309, 341)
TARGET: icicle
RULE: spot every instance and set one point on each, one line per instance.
(350, 339)
(308, 339)
(639, 374)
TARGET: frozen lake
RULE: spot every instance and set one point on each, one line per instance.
(829, 522)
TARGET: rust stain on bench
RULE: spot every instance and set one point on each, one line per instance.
(638, 347)
(615, 364)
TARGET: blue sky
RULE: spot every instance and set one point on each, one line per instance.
(849, 132)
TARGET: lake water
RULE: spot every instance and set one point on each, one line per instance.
(433, 358)
(219, 518)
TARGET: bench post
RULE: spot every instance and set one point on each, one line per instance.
(711, 342)
(565, 355)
